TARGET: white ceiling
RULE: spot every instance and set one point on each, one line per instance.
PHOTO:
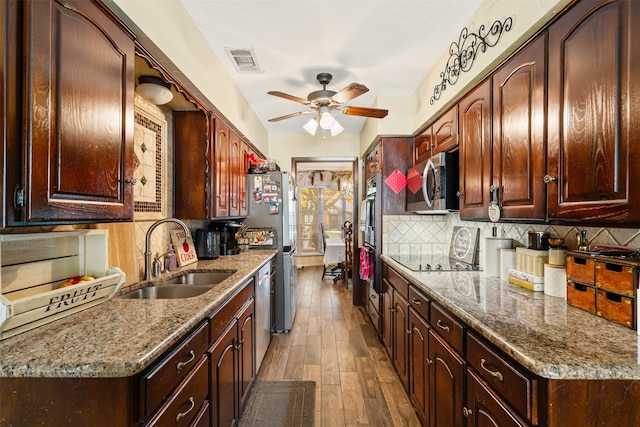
(387, 45)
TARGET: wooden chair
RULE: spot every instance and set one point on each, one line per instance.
(346, 266)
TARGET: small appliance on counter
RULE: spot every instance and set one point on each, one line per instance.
(207, 244)
(228, 241)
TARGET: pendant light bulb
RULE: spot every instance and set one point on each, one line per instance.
(311, 126)
(326, 119)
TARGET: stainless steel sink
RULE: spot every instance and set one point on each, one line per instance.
(200, 278)
(167, 292)
(186, 286)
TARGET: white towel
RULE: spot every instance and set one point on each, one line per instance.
(363, 212)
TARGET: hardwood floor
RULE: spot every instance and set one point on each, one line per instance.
(334, 344)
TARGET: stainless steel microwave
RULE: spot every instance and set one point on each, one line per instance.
(433, 185)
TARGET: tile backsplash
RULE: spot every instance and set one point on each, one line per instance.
(431, 234)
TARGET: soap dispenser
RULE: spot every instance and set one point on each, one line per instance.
(171, 262)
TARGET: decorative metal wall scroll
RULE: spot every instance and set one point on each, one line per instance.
(463, 52)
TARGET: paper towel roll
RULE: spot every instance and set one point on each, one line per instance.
(555, 281)
(492, 254)
(507, 261)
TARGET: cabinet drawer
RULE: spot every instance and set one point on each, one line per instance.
(615, 307)
(419, 302)
(581, 270)
(186, 404)
(615, 277)
(447, 327)
(397, 281)
(374, 298)
(221, 318)
(517, 386)
(581, 296)
(158, 383)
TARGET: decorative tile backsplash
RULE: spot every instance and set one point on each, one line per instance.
(431, 234)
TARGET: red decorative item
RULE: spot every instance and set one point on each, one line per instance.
(396, 181)
(414, 181)
(185, 246)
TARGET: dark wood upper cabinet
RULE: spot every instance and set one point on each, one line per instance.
(75, 158)
(474, 122)
(422, 145)
(518, 134)
(445, 131)
(593, 112)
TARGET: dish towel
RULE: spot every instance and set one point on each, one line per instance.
(366, 266)
(363, 213)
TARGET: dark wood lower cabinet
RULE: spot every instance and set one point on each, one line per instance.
(484, 408)
(447, 384)
(224, 378)
(246, 363)
(419, 365)
(401, 338)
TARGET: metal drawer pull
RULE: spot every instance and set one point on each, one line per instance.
(442, 326)
(184, 414)
(467, 412)
(416, 301)
(498, 375)
(181, 365)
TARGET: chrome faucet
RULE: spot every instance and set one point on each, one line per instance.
(147, 243)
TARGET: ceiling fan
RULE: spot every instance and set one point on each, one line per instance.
(324, 101)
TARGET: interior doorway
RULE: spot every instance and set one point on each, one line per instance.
(327, 196)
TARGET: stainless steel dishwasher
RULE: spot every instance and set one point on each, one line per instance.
(263, 313)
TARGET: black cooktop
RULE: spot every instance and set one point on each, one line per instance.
(433, 263)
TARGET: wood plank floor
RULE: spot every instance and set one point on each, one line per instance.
(334, 344)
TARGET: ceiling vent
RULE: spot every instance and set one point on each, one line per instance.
(243, 59)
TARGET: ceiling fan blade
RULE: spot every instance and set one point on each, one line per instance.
(365, 112)
(350, 92)
(289, 97)
(288, 116)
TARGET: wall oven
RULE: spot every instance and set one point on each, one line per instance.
(433, 184)
(369, 211)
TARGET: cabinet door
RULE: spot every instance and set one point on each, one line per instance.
(447, 384)
(235, 172)
(78, 142)
(401, 338)
(419, 365)
(220, 197)
(244, 168)
(474, 120)
(593, 109)
(518, 134)
(224, 378)
(246, 363)
(422, 146)
(445, 131)
(484, 408)
(386, 311)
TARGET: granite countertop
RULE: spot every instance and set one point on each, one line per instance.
(121, 337)
(541, 332)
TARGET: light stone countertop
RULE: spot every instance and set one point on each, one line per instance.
(541, 332)
(121, 337)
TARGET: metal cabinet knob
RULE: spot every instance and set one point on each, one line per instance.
(548, 178)
(131, 181)
(459, 193)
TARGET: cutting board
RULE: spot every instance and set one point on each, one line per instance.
(122, 248)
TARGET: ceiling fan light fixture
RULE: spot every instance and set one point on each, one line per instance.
(311, 126)
(336, 129)
(326, 119)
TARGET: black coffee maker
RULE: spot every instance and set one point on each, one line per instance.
(228, 242)
(207, 244)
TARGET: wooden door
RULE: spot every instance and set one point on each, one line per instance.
(222, 169)
(244, 161)
(401, 338)
(445, 131)
(418, 365)
(246, 362)
(422, 146)
(77, 153)
(518, 134)
(386, 312)
(224, 378)
(235, 172)
(484, 408)
(474, 120)
(593, 129)
(447, 384)
(191, 165)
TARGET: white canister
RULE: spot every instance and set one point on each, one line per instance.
(507, 262)
(555, 281)
(492, 254)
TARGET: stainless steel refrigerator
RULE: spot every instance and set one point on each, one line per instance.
(272, 206)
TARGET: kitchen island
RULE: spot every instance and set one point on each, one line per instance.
(527, 357)
(109, 359)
